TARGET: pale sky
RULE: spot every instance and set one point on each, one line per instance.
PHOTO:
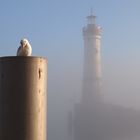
(43, 21)
(54, 29)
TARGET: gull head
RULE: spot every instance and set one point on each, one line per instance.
(24, 42)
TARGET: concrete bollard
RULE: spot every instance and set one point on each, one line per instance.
(23, 98)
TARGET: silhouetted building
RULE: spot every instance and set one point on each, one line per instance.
(92, 119)
(92, 61)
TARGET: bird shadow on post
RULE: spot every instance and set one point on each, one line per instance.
(23, 98)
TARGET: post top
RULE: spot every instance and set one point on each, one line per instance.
(22, 57)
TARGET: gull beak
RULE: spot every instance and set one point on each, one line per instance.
(21, 43)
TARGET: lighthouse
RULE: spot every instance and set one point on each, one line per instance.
(92, 118)
(87, 113)
(92, 61)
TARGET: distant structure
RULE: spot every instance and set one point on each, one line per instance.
(92, 118)
(85, 112)
(92, 61)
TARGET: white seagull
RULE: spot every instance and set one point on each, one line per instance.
(25, 48)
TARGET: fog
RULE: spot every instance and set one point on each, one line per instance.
(120, 86)
(54, 29)
(64, 89)
(121, 81)
(120, 75)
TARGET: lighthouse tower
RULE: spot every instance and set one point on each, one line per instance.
(92, 61)
(87, 112)
(93, 119)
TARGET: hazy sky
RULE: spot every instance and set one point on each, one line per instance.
(54, 25)
(54, 29)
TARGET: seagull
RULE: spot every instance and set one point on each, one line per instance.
(25, 48)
